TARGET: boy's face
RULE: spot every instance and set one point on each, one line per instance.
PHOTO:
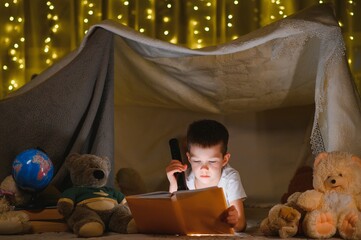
(207, 164)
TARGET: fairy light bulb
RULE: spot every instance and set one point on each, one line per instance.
(174, 40)
(52, 39)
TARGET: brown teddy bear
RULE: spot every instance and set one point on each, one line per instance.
(283, 219)
(89, 207)
(301, 181)
(130, 182)
(12, 222)
(335, 202)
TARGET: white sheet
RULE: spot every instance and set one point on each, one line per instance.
(280, 91)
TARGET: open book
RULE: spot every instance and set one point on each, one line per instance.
(188, 212)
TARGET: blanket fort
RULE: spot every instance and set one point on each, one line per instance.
(283, 91)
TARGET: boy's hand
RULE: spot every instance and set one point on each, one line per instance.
(231, 216)
(173, 167)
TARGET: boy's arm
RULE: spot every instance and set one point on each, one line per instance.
(173, 167)
(235, 215)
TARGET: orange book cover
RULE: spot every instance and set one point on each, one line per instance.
(189, 212)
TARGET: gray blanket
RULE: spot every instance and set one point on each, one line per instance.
(72, 111)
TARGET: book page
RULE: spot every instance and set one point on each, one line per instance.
(202, 210)
(159, 194)
(155, 215)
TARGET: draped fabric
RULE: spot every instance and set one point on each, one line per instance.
(283, 91)
(68, 108)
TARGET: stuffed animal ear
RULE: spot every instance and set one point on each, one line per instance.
(320, 156)
(356, 159)
(70, 158)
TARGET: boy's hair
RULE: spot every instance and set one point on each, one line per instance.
(207, 133)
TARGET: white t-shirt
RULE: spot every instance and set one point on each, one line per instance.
(230, 182)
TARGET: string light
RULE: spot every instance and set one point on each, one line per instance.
(122, 11)
(206, 22)
(352, 38)
(203, 23)
(90, 11)
(12, 39)
(167, 29)
(48, 50)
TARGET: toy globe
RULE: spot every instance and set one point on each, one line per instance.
(32, 170)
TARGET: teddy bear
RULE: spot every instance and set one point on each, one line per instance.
(89, 207)
(12, 222)
(283, 219)
(301, 181)
(19, 197)
(333, 205)
(130, 182)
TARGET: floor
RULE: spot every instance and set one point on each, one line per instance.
(252, 232)
(114, 236)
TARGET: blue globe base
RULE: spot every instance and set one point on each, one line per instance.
(36, 202)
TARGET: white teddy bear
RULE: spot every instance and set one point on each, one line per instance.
(12, 222)
(335, 202)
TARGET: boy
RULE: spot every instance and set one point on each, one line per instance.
(207, 154)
